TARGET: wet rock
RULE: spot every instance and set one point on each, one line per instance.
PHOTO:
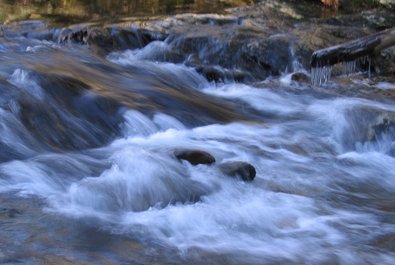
(107, 39)
(384, 62)
(218, 74)
(256, 40)
(134, 38)
(74, 35)
(242, 50)
(271, 55)
(195, 157)
(100, 41)
(300, 77)
(212, 73)
(239, 169)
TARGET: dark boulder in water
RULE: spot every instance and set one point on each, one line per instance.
(212, 73)
(300, 77)
(239, 169)
(195, 157)
(219, 74)
(107, 39)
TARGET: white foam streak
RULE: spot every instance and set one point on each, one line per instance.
(137, 124)
(385, 85)
(28, 178)
(143, 190)
(258, 98)
(372, 167)
(21, 79)
(150, 60)
(166, 122)
(259, 220)
(10, 131)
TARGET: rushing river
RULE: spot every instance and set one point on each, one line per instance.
(88, 173)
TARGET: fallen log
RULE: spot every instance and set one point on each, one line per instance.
(359, 50)
(353, 50)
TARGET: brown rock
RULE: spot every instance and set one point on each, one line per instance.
(195, 157)
(240, 169)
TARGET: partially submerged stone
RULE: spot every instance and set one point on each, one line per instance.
(108, 39)
(300, 77)
(195, 157)
(239, 169)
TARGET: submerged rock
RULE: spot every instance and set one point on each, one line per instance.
(239, 169)
(195, 157)
(300, 77)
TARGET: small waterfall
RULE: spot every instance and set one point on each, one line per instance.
(296, 65)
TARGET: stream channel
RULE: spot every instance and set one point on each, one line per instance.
(88, 135)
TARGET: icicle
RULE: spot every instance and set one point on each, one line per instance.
(363, 60)
(369, 62)
(349, 67)
(320, 75)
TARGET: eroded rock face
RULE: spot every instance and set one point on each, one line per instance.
(261, 40)
(195, 157)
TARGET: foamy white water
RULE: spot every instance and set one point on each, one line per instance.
(288, 211)
(323, 194)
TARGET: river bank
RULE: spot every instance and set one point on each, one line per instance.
(247, 43)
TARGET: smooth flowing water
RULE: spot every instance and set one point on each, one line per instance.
(88, 173)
